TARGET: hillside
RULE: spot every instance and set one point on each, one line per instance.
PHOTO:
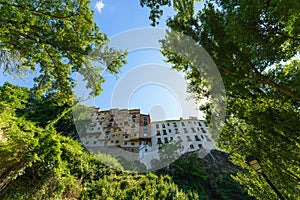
(208, 176)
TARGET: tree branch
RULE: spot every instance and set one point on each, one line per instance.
(261, 79)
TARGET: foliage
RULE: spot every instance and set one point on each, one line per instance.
(184, 6)
(255, 46)
(168, 153)
(209, 177)
(134, 166)
(39, 163)
(134, 186)
(56, 40)
(188, 174)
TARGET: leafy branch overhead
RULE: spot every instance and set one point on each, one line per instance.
(156, 11)
(56, 39)
(255, 46)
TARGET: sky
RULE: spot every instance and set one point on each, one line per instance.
(146, 82)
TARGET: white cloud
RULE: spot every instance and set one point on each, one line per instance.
(99, 6)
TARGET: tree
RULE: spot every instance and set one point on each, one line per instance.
(156, 12)
(56, 40)
(254, 45)
(39, 163)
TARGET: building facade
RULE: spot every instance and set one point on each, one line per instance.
(190, 132)
(123, 130)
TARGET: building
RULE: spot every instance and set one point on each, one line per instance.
(125, 129)
(133, 136)
(190, 132)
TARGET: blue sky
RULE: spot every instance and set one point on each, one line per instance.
(163, 94)
(153, 94)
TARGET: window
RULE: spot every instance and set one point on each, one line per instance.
(197, 138)
(159, 141)
(132, 143)
(168, 124)
(192, 146)
(185, 130)
(145, 134)
(166, 140)
(165, 132)
(145, 118)
(176, 130)
(188, 138)
(157, 132)
(203, 131)
(157, 125)
(174, 124)
(126, 136)
(182, 124)
(200, 146)
(193, 130)
(125, 143)
(145, 127)
(163, 125)
(171, 138)
(170, 131)
(146, 150)
(202, 137)
(117, 141)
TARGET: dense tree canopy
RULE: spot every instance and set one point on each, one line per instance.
(255, 45)
(54, 39)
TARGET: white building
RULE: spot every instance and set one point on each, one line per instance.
(117, 131)
(190, 133)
